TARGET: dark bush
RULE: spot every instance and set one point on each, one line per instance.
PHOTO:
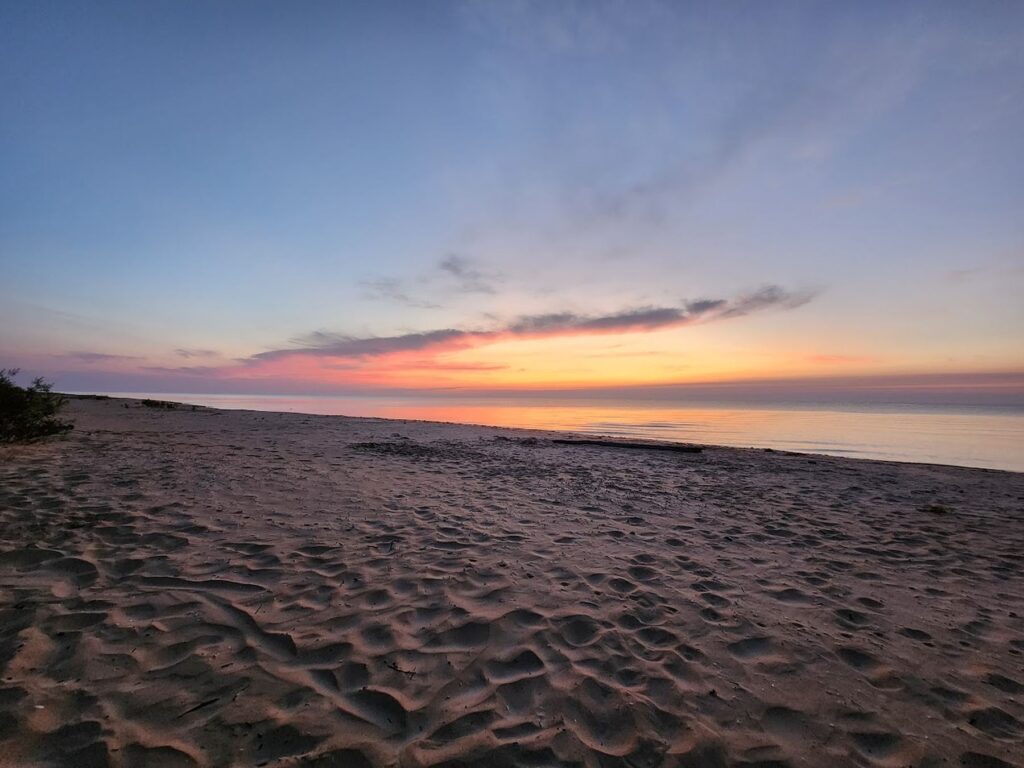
(28, 413)
(166, 405)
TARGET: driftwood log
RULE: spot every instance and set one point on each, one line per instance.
(674, 447)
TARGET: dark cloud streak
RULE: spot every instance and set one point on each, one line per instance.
(96, 357)
(329, 344)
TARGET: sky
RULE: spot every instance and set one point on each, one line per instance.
(473, 197)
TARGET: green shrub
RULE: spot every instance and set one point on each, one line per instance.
(28, 413)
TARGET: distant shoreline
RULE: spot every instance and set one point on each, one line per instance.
(803, 438)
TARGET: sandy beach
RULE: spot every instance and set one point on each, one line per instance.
(216, 588)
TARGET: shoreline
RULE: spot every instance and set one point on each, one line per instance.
(550, 433)
(217, 588)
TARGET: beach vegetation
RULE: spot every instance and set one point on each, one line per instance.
(29, 413)
(165, 405)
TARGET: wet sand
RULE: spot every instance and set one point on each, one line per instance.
(202, 587)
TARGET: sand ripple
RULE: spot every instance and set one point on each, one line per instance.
(199, 588)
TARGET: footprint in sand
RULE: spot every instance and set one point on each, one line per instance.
(915, 634)
(526, 663)
(877, 745)
(851, 619)
(1004, 684)
(859, 660)
(979, 760)
(750, 647)
(787, 726)
(792, 596)
(578, 631)
(995, 722)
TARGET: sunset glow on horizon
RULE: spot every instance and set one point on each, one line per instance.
(496, 197)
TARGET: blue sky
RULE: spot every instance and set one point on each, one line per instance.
(230, 178)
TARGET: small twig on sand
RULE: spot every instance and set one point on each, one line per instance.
(407, 672)
(197, 707)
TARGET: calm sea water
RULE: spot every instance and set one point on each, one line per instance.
(972, 437)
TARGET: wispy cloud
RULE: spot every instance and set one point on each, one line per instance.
(767, 103)
(1008, 266)
(468, 277)
(330, 344)
(393, 289)
(187, 370)
(96, 357)
(764, 298)
(190, 353)
(453, 273)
